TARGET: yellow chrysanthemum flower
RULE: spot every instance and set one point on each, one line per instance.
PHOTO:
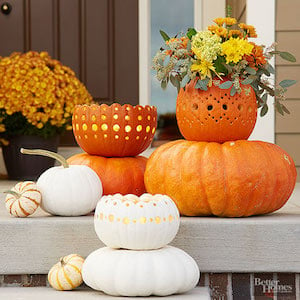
(204, 68)
(40, 88)
(235, 48)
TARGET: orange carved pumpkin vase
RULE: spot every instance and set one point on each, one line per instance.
(124, 175)
(114, 131)
(233, 179)
(214, 115)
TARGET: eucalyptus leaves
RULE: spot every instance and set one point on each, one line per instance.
(225, 57)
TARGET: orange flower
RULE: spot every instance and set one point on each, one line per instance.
(213, 28)
(249, 29)
(221, 31)
(256, 58)
(230, 21)
(243, 26)
(235, 33)
(252, 33)
(219, 21)
(172, 40)
(169, 52)
(184, 40)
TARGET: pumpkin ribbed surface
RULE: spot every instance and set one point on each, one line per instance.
(214, 115)
(132, 222)
(160, 272)
(118, 175)
(233, 179)
(27, 201)
(66, 274)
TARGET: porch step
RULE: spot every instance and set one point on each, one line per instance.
(269, 243)
(47, 293)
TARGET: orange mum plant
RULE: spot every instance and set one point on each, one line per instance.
(37, 95)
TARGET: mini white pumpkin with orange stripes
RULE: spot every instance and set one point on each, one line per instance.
(138, 223)
(66, 274)
(23, 199)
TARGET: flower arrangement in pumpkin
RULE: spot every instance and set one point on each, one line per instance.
(224, 56)
(37, 95)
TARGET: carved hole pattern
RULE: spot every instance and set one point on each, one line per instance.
(226, 106)
(115, 127)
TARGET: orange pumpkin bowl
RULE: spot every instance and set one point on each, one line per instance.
(115, 130)
(214, 115)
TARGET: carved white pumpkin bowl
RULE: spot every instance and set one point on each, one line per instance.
(160, 272)
(138, 223)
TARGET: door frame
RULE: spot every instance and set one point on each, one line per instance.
(265, 26)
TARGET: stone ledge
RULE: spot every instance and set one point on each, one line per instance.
(268, 243)
(46, 293)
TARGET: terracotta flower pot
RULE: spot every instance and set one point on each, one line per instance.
(28, 167)
(214, 115)
(114, 131)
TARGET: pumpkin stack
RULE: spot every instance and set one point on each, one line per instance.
(137, 260)
(216, 171)
(112, 137)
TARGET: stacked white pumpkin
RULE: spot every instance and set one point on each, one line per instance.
(137, 260)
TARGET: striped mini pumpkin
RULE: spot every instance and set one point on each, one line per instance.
(23, 199)
(66, 274)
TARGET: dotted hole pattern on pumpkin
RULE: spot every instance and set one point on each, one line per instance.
(142, 220)
(221, 109)
(101, 125)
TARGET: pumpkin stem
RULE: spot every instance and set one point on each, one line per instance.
(14, 193)
(62, 262)
(47, 153)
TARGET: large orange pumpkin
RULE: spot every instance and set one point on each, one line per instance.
(114, 131)
(118, 175)
(233, 179)
(214, 115)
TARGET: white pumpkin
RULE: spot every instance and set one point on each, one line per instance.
(66, 274)
(132, 222)
(160, 272)
(67, 190)
(23, 199)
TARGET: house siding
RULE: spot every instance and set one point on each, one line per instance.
(287, 128)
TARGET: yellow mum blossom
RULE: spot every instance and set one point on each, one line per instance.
(235, 48)
(206, 45)
(230, 21)
(204, 68)
(40, 88)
